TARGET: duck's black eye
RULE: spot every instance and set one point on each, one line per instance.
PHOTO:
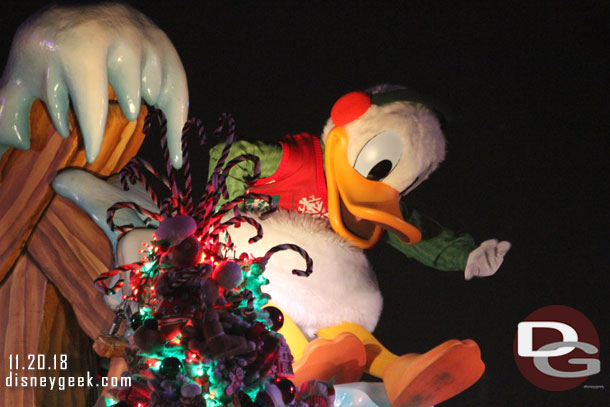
(379, 156)
(380, 170)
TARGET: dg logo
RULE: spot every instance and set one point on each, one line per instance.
(557, 348)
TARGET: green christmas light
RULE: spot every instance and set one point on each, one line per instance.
(146, 311)
(253, 391)
(110, 402)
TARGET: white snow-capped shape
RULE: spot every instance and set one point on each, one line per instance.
(73, 53)
(95, 195)
(361, 394)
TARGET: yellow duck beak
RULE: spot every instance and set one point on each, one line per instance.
(360, 209)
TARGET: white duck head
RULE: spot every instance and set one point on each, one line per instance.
(379, 146)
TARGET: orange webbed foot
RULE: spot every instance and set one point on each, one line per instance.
(342, 358)
(416, 380)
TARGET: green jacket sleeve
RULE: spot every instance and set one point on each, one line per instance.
(269, 154)
(439, 248)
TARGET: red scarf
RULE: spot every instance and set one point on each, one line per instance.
(298, 183)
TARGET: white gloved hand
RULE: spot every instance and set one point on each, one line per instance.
(486, 259)
(71, 54)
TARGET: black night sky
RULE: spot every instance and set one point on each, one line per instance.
(526, 86)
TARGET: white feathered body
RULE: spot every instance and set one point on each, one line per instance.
(342, 287)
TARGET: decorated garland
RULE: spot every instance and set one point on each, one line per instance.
(201, 336)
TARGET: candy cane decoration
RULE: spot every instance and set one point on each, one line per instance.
(294, 247)
(236, 221)
(236, 161)
(137, 166)
(186, 194)
(103, 286)
(130, 205)
(132, 172)
(225, 119)
(215, 219)
(169, 207)
(164, 147)
(227, 207)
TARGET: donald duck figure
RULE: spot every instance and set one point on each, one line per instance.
(338, 194)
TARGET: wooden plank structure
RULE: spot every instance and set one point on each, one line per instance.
(22, 296)
(50, 252)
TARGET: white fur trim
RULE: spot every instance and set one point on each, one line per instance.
(342, 287)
